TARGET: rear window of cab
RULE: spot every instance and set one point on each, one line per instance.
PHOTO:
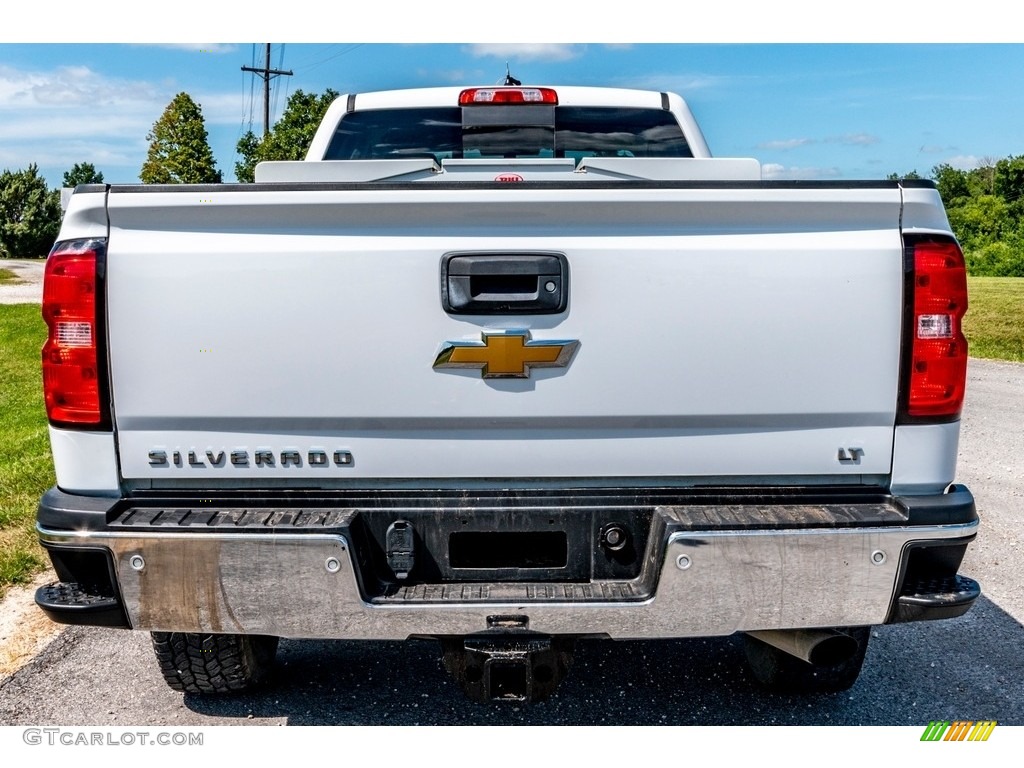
(494, 132)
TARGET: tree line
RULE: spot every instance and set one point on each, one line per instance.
(179, 153)
(30, 211)
(985, 205)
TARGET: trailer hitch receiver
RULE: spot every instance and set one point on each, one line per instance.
(508, 667)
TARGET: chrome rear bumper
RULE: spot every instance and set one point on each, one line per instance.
(694, 583)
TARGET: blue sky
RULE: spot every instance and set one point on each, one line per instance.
(835, 110)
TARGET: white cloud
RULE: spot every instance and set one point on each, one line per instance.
(36, 130)
(965, 162)
(850, 139)
(681, 83)
(854, 139)
(61, 116)
(774, 171)
(220, 107)
(32, 99)
(785, 144)
(102, 154)
(527, 51)
(66, 87)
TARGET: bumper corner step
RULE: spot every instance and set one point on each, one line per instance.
(73, 603)
(936, 598)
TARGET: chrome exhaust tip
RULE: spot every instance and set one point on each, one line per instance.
(820, 647)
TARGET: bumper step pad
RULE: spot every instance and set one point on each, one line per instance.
(929, 599)
(73, 603)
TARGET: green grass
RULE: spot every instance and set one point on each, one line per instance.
(7, 277)
(26, 469)
(994, 324)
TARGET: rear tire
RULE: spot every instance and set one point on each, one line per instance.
(205, 663)
(781, 672)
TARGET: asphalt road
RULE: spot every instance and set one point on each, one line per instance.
(971, 668)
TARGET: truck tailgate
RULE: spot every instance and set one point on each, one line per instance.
(288, 333)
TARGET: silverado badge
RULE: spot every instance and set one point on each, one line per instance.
(505, 355)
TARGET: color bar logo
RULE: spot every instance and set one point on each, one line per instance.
(961, 730)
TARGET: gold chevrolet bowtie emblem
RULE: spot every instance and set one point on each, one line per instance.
(506, 355)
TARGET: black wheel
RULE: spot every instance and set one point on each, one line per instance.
(203, 663)
(781, 672)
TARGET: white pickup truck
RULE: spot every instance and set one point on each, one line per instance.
(506, 367)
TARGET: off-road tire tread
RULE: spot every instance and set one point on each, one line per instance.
(213, 664)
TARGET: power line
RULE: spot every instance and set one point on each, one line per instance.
(241, 125)
(312, 58)
(277, 93)
(349, 49)
(252, 85)
(267, 73)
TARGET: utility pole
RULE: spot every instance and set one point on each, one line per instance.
(266, 73)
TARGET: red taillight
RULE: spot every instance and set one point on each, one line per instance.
(477, 96)
(72, 381)
(937, 372)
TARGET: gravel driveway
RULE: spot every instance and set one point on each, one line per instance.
(29, 288)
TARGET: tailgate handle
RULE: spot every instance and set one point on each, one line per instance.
(504, 283)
